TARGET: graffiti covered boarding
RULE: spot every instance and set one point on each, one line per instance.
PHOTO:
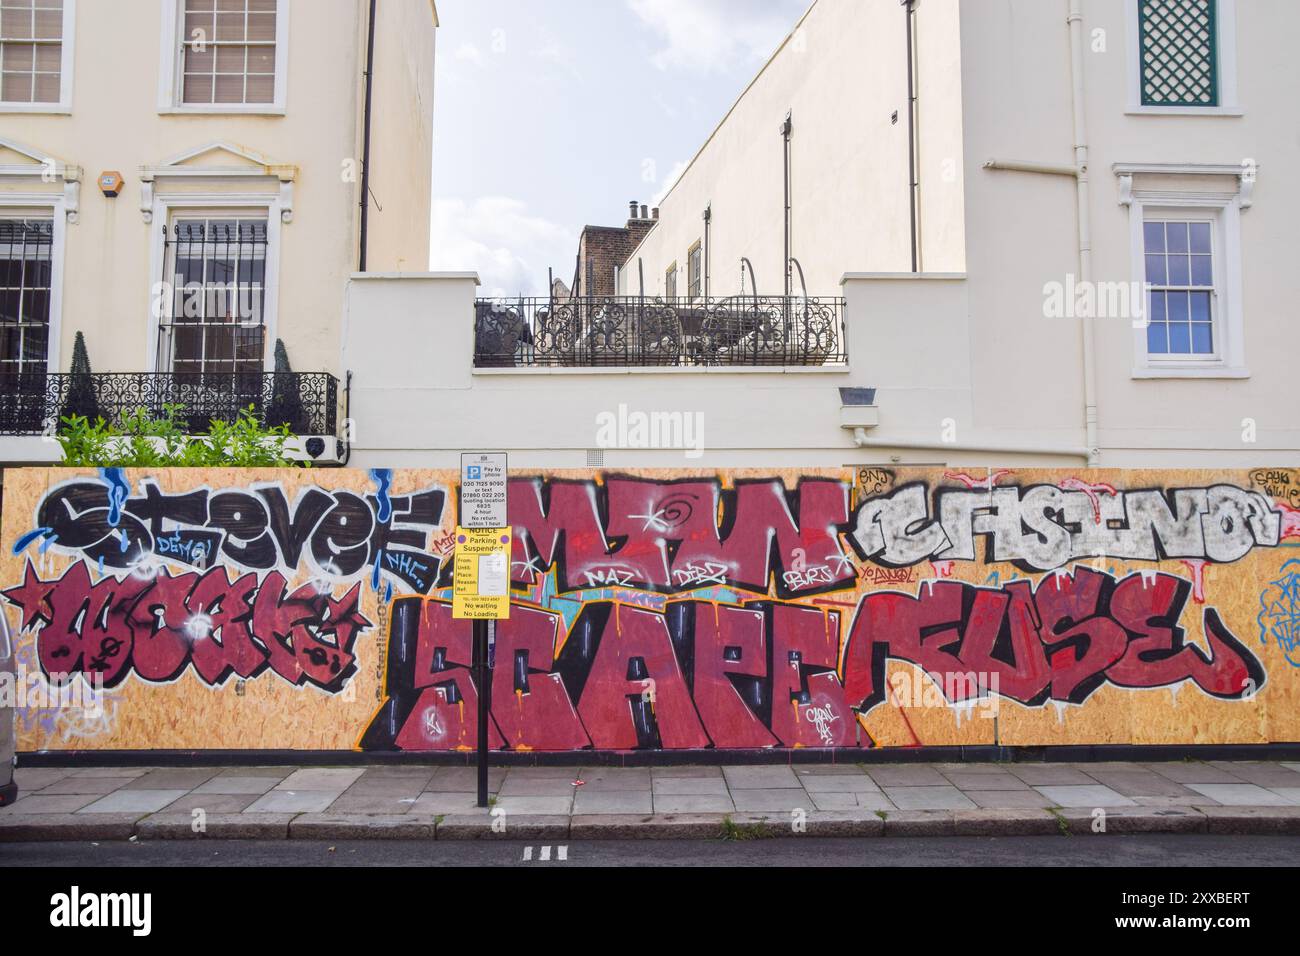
(684, 610)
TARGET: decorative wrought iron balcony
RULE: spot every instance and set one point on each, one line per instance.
(305, 401)
(633, 331)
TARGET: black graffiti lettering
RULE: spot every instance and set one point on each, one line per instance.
(257, 529)
(342, 540)
(291, 530)
(245, 522)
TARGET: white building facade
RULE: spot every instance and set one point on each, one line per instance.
(1072, 249)
(181, 183)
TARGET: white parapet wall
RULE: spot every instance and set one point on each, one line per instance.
(418, 401)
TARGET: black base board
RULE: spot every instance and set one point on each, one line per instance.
(1084, 753)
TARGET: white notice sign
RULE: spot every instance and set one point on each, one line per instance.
(483, 490)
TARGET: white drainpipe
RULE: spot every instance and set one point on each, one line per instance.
(1079, 172)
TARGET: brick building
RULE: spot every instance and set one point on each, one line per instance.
(602, 250)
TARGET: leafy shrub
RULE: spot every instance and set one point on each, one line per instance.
(142, 441)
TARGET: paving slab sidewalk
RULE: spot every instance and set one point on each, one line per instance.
(680, 802)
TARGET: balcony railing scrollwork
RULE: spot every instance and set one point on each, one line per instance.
(305, 401)
(634, 332)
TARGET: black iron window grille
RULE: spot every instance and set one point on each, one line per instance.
(211, 301)
(26, 272)
(1178, 48)
(590, 331)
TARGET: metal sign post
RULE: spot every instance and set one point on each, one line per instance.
(481, 584)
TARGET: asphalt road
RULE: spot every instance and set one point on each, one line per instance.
(1128, 851)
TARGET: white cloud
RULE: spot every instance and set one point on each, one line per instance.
(496, 237)
(555, 55)
(715, 35)
(669, 182)
(468, 51)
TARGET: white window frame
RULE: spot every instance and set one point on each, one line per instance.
(1225, 56)
(166, 209)
(1222, 207)
(171, 71)
(64, 105)
(32, 206)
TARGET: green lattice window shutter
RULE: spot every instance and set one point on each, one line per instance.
(1178, 44)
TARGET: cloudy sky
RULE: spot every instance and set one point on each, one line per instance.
(551, 114)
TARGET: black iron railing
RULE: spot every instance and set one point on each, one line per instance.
(634, 331)
(305, 401)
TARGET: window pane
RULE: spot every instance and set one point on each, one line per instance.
(49, 57)
(1153, 236)
(1177, 306)
(1200, 237)
(46, 88)
(1156, 270)
(34, 346)
(10, 342)
(230, 59)
(1202, 339)
(9, 299)
(1202, 270)
(1158, 312)
(15, 22)
(261, 89)
(49, 24)
(1177, 233)
(1180, 340)
(230, 26)
(228, 89)
(188, 344)
(19, 57)
(1179, 273)
(198, 89)
(16, 88)
(199, 62)
(1158, 338)
(1200, 304)
(199, 28)
(261, 26)
(261, 59)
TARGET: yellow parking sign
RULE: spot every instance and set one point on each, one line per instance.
(481, 583)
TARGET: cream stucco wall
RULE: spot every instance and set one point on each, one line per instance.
(1020, 228)
(115, 123)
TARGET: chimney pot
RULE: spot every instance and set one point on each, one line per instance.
(654, 213)
(632, 209)
(645, 212)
